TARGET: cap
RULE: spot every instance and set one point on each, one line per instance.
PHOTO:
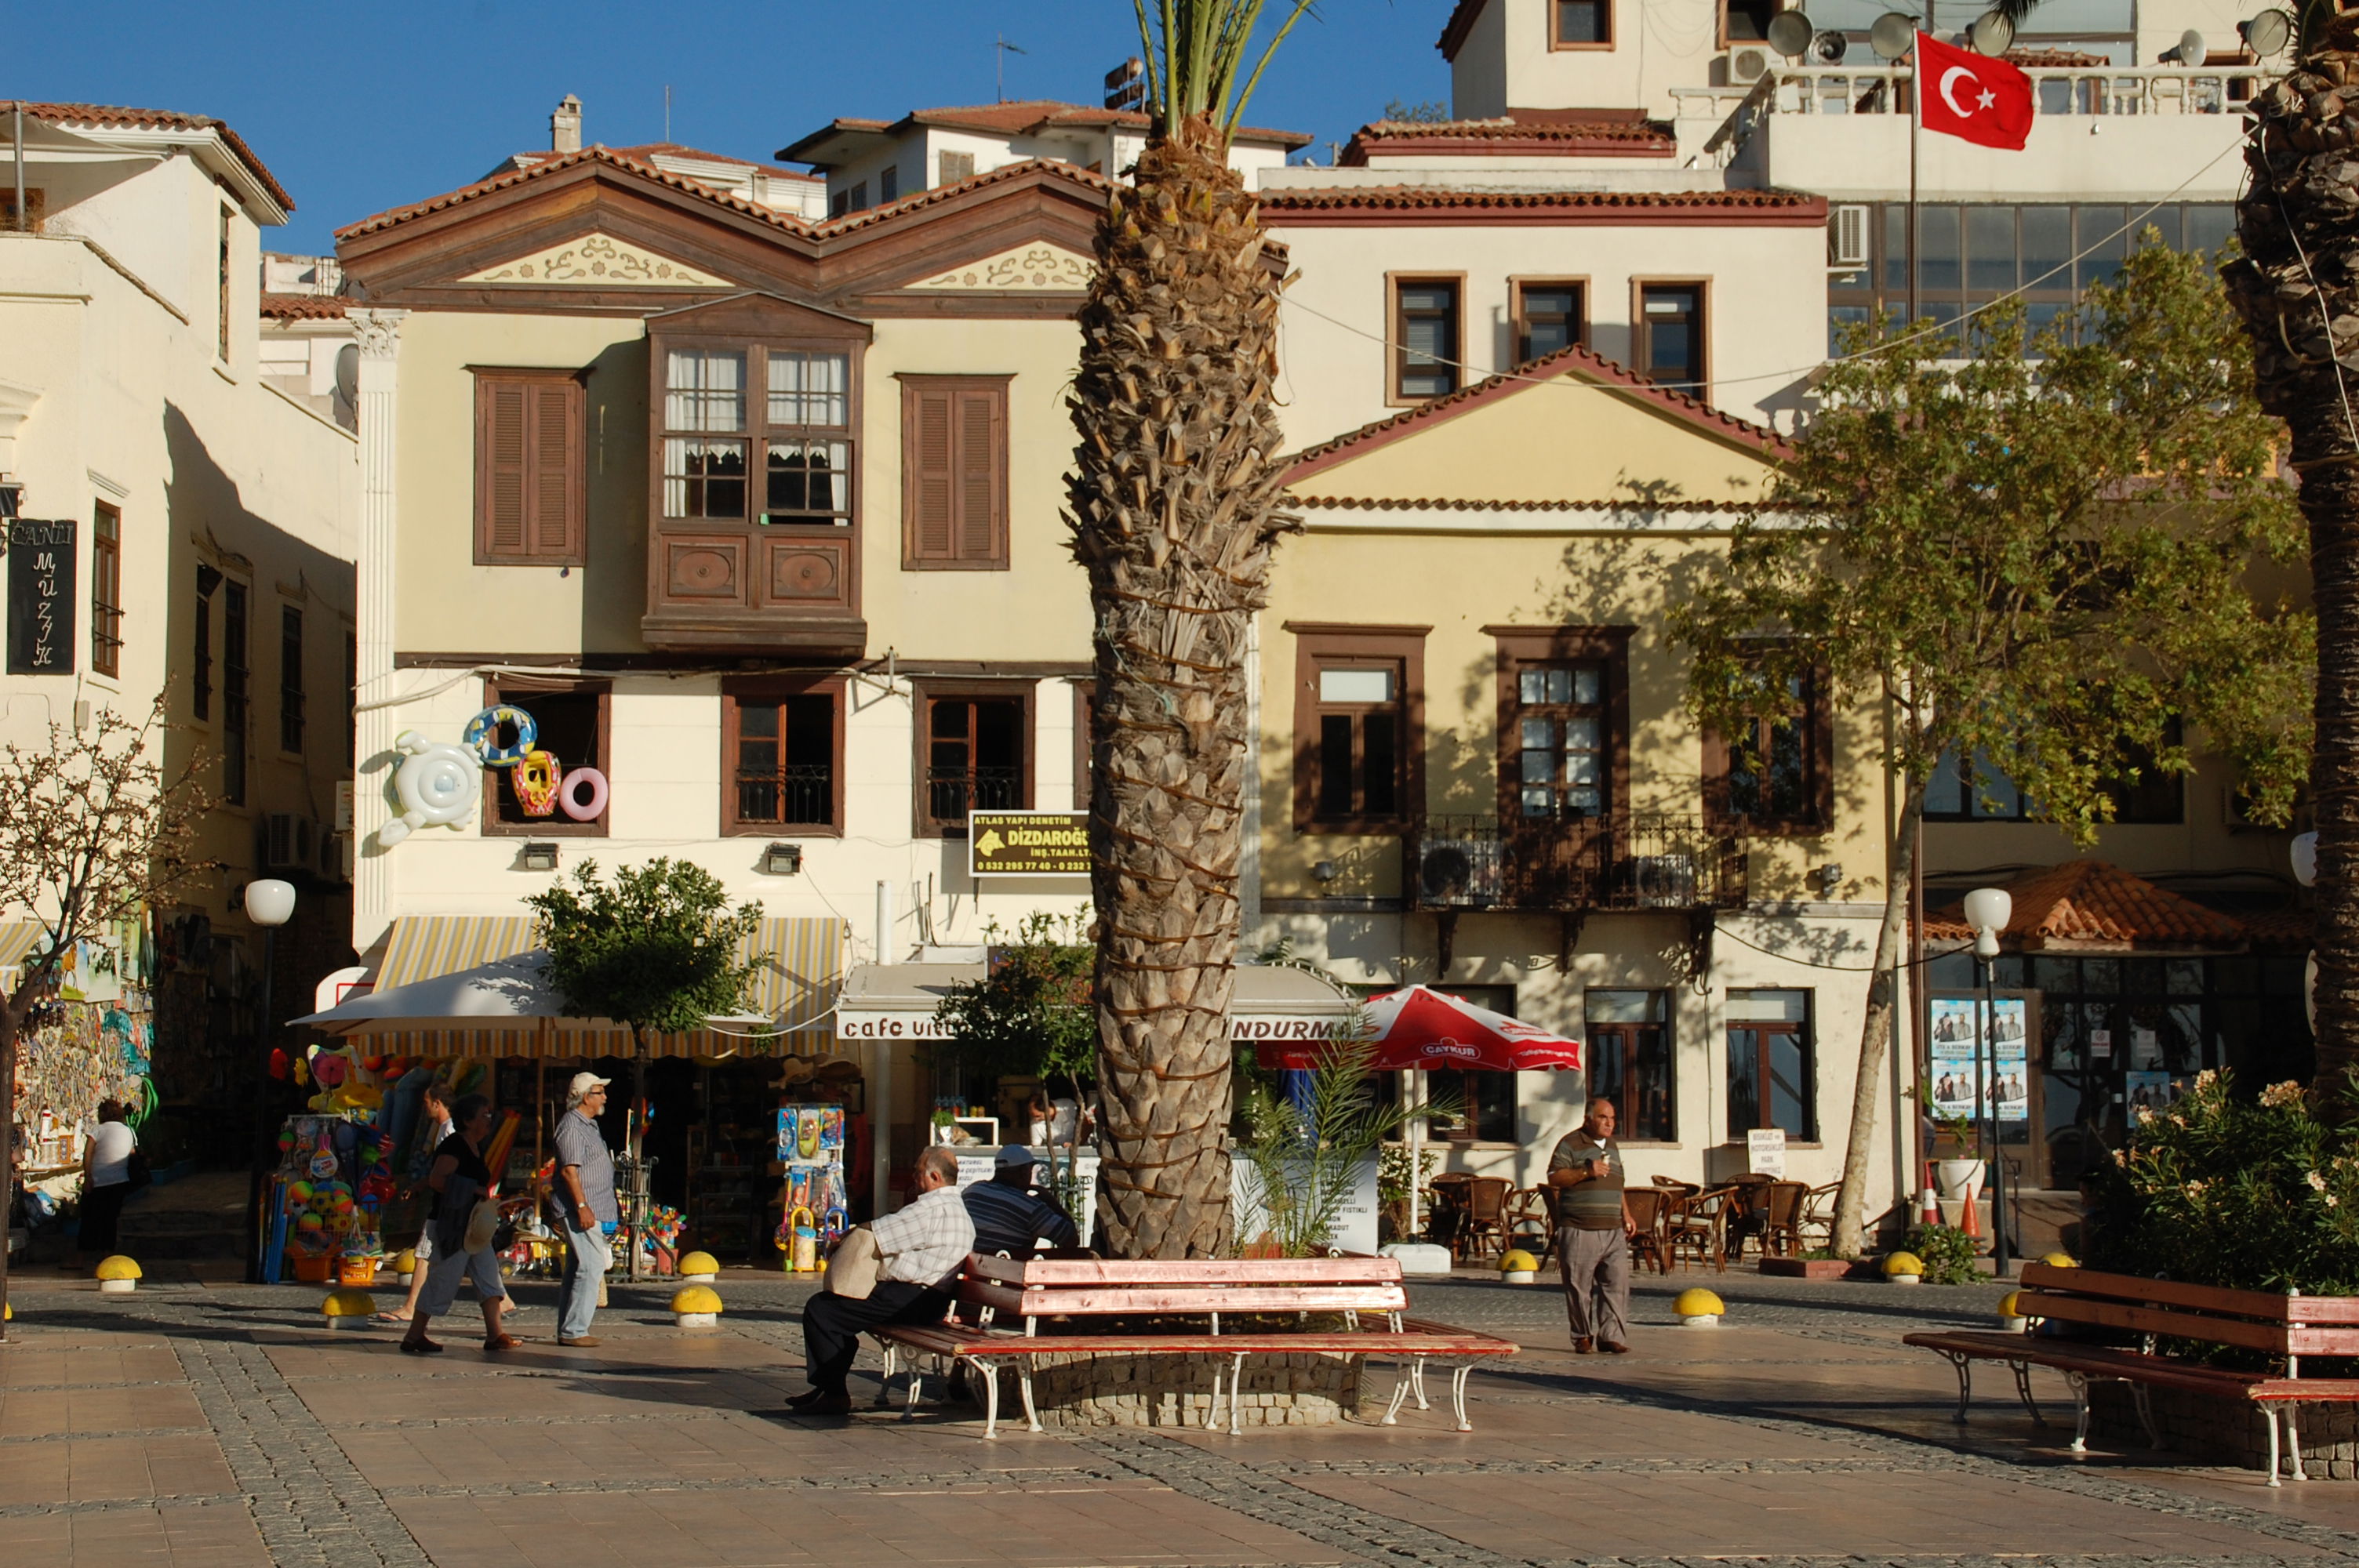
(583, 1083)
(1011, 1155)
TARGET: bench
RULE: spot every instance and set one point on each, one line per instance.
(1002, 1292)
(2288, 1328)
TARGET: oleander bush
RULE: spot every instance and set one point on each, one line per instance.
(1946, 1252)
(2259, 1194)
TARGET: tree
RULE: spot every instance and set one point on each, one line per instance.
(94, 831)
(1426, 112)
(2033, 553)
(1173, 510)
(1029, 1016)
(2297, 288)
(655, 949)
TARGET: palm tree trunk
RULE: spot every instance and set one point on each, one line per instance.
(1876, 1031)
(2298, 291)
(1173, 513)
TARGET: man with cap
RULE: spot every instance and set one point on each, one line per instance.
(1009, 1216)
(585, 1200)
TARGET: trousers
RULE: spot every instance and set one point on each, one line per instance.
(587, 1259)
(832, 1326)
(1596, 1268)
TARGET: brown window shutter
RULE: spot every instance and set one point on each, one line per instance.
(954, 473)
(978, 461)
(933, 533)
(556, 470)
(528, 469)
(502, 435)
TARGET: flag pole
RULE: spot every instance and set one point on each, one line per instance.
(1916, 117)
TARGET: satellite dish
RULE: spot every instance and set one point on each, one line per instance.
(1990, 34)
(348, 373)
(1828, 49)
(2190, 49)
(1790, 33)
(1894, 35)
(2268, 33)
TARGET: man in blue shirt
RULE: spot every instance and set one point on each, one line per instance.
(1009, 1216)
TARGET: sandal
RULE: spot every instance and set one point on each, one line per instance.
(505, 1342)
(390, 1317)
(421, 1347)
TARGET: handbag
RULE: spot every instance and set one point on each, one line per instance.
(853, 1267)
(482, 1224)
(136, 1171)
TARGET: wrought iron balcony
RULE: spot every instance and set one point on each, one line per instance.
(1630, 860)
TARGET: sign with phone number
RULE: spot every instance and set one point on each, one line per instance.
(1028, 843)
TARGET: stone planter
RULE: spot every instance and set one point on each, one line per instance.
(1076, 1391)
(2231, 1432)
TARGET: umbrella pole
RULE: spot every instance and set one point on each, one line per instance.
(1416, 1148)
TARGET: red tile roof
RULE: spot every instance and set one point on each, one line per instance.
(1617, 136)
(105, 116)
(303, 307)
(2093, 906)
(1796, 206)
(771, 216)
(1026, 114)
(648, 152)
(1593, 367)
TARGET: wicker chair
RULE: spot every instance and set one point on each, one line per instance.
(1487, 1216)
(1781, 1220)
(1698, 1228)
(1649, 1210)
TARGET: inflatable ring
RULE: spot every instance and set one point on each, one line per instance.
(483, 734)
(582, 810)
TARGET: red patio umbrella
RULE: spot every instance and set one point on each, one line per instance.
(1416, 1026)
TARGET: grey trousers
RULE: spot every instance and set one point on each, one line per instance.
(1596, 1268)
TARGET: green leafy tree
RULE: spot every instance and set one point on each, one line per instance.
(1425, 112)
(1029, 1016)
(656, 949)
(2038, 552)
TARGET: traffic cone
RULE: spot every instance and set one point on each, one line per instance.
(1973, 1220)
(1932, 1207)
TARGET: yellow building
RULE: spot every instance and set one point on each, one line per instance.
(1478, 773)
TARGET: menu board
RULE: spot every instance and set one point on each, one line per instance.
(40, 596)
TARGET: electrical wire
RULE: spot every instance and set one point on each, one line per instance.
(1720, 931)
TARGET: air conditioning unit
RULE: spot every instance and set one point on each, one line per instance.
(1663, 881)
(289, 843)
(1847, 236)
(1746, 66)
(1460, 872)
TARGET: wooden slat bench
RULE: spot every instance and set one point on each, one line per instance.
(1002, 1292)
(2288, 1326)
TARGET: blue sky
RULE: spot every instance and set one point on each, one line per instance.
(358, 108)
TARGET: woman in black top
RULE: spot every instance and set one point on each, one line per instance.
(461, 1180)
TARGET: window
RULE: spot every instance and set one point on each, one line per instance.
(1776, 774)
(1424, 332)
(1772, 1074)
(1582, 23)
(2154, 797)
(201, 661)
(224, 281)
(1549, 317)
(106, 590)
(570, 722)
(808, 456)
(1670, 335)
(236, 693)
(955, 474)
(1560, 736)
(975, 747)
(855, 200)
(780, 750)
(955, 167)
(704, 477)
(529, 478)
(1358, 718)
(1086, 719)
(290, 679)
(839, 202)
(1988, 794)
(888, 184)
(1745, 21)
(1630, 1060)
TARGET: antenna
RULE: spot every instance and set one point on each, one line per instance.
(999, 74)
(667, 112)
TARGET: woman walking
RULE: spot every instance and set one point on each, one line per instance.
(437, 1112)
(106, 1181)
(461, 1180)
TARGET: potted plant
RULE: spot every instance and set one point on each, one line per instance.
(1958, 1178)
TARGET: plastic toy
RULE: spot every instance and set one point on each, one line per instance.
(534, 779)
(437, 783)
(483, 734)
(569, 795)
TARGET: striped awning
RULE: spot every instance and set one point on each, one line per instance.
(796, 966)
(17, 939)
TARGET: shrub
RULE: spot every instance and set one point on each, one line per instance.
(2252, 1195)
(1946, 1252)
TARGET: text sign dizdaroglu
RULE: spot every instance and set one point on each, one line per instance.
(40, 596)
(1028, 843)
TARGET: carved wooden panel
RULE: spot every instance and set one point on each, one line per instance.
(809, 574)
(705, 570)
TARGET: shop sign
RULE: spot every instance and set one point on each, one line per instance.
(1765, 1151)
(40, 596)
(891, 1026)
(1028, 843)
(1288, 1030)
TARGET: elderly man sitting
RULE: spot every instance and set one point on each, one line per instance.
(920, 1247)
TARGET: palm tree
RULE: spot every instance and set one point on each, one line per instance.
(1174, 514)
(2297, 287)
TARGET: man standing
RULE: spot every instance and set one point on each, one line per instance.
(1009, 1216)
(585, 1199)
(919, 1249)
(1592, 1247)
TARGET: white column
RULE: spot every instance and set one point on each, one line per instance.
(377, 333)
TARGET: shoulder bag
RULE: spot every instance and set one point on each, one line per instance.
(854, 1268)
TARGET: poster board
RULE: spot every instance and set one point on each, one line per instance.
(1765, 1151)
(1959, 1084)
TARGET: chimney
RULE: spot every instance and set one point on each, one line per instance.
(565, 126)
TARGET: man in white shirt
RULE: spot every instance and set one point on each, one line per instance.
(919, 1249)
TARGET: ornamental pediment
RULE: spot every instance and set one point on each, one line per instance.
(1038, 268)
(597, 261)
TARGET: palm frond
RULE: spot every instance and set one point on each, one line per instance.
(1196, 53)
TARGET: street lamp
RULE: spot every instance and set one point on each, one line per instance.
(270, 903)
(2305, 871)
(1987, 910)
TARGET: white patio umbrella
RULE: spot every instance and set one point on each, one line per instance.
(503, 992)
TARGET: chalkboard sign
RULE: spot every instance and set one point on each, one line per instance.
(40, 596)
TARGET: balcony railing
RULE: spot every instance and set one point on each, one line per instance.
(951, 792)
(2075, 91)
(801, 793)
(1632, 860)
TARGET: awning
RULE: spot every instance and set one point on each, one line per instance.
(796, 966)
(17, 940)
(1268, 1002)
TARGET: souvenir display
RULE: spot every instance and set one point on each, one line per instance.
(578, 805)
(534, 780)
(437, 783)
(481, 735)
(816, 1199)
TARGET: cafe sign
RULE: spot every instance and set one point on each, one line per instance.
(1028, 843)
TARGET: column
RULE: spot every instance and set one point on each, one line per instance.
(377, 333)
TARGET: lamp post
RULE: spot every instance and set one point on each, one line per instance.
(268, 904)
(1987, 910)
(2305, 871)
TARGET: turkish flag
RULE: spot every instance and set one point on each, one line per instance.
(1971, 96)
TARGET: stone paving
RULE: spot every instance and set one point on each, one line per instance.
(201, 1422)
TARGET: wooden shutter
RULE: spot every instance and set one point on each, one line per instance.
(528, 478)
(954, 460)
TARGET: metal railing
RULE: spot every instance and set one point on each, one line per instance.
(1630, 860)
(951, 792)
(802, 794)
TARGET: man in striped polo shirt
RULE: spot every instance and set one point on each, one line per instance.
(1592, 1246)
